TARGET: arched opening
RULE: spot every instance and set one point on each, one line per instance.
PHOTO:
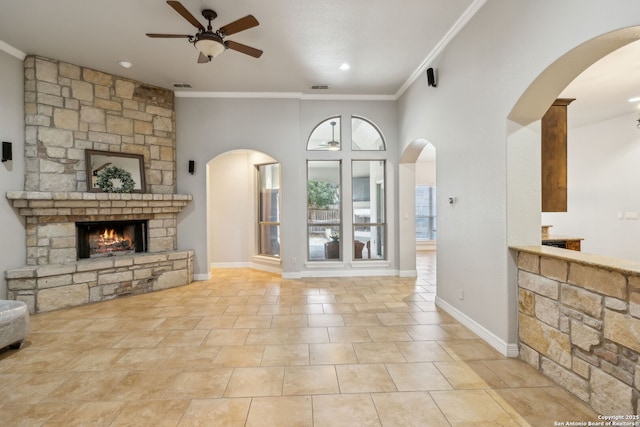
(604, 142)
(233, 201)
(417, 177)
(523, 152)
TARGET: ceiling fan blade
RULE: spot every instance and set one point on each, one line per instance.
(168, 36)
(240, 25)
(178, 7)
(202, 58)
(248, 50)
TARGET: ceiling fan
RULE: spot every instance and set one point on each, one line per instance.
(212, 43)
(332, 145)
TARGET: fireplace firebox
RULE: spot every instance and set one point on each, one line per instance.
(111, 238)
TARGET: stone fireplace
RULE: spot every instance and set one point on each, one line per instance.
(70, 109)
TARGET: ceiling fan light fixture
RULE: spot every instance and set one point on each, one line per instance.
(208, 42)
(333, 144)
(210, 45)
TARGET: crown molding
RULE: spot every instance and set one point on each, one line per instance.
(285, 95)
(442, 44)
(7, 48)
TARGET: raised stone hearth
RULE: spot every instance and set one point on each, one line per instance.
(51, 287)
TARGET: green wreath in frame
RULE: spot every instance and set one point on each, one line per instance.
(108, 176)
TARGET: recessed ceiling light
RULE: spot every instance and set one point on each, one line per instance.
(345, 66)
(634, 99)
(125, 64)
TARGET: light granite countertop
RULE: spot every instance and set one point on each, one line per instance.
(610, 263)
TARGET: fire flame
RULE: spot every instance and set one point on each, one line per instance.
(110, 237)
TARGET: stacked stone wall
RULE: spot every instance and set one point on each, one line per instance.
(70, 109)
(579, 323)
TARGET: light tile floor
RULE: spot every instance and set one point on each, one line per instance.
(247, 348)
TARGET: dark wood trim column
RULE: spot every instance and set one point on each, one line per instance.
(554, 156)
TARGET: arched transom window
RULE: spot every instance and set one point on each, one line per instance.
(325, 136)
(365, 136)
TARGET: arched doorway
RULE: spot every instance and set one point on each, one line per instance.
(523, 150)
(233, 238)
(417, 166)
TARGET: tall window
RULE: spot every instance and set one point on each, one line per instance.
(425, 212)
(365, 234)
(368, 197)
(323, 209)
(269, 209)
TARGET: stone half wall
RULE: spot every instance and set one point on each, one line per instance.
(70, 109)
(579, 324)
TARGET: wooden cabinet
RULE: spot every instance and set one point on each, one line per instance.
(574, 245)
(570, 243)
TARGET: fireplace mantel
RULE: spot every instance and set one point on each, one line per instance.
(71, 203)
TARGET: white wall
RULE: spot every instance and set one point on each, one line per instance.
(426, 172)
(482, 74)
(207, 128)
(13, 237)
(603, 180)
(279, 128)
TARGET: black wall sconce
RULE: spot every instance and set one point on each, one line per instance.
(431, 77)
(192, 166)
(7, 153)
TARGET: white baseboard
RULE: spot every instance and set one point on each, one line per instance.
(267, 268)
(253, 265)
(347, 273)
(336, 273)
(407, 273)
(506, 349)
(200, 277)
